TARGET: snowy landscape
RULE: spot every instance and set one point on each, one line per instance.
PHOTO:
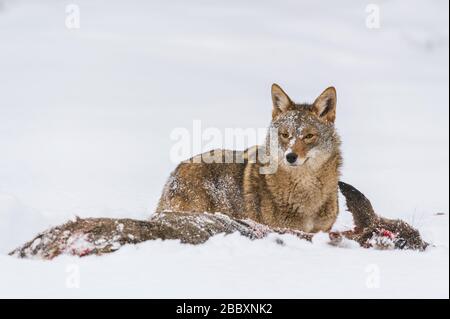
(87, 111)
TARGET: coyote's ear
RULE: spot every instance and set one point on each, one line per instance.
(325, 105)
(281, 101)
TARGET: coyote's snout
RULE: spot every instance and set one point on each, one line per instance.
(301, 193)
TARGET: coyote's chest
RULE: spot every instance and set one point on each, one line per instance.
(297, 195)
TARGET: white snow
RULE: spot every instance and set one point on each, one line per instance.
(86, 117)
(233, 266)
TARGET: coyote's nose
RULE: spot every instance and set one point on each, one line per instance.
(291, 158)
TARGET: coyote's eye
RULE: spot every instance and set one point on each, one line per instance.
(309, 136)
(284, 135)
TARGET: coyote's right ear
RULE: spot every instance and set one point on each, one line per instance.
(281, 101)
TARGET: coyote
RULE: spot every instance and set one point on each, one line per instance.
(302, 193)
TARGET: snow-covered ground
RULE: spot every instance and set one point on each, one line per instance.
(86, 116)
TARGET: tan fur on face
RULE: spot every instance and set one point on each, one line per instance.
(303, 197)
(300, 148)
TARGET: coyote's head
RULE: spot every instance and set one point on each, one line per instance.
(305, 132)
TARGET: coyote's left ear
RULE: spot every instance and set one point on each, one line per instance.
(325, 105)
